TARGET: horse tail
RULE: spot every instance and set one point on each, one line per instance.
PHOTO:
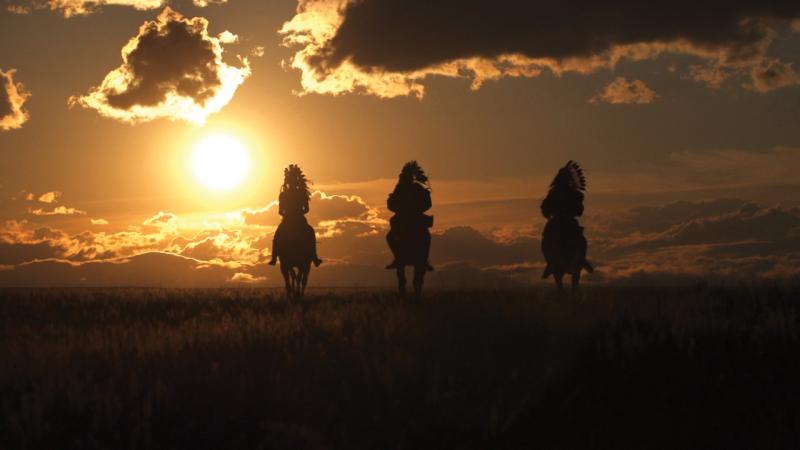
(588, 266)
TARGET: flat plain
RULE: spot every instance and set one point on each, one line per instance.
(138, 368)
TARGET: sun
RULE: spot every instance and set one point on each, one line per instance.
(220, 162)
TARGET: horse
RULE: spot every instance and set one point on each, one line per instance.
(295, 258)
(412, 249)
(564, 248)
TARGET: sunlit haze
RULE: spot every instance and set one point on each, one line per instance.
(220, 162)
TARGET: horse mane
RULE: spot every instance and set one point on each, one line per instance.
(570, 176)
(414, 173)
(295, 179)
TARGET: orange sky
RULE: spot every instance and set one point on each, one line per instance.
(690, 148)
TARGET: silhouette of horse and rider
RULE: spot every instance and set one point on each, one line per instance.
(563, 243)
(294, 244)
(409, 235)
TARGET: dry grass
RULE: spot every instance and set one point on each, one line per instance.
(227, 369)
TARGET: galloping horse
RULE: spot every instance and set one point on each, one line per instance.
(563, 243)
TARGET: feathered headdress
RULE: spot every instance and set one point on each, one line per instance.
(294, 178)
(413, 172)
(571, 175)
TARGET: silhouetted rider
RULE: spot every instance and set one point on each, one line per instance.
(293, 205)
(409, 201)
(564, 202)
(562, 206)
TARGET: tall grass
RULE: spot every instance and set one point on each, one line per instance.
(228, 369)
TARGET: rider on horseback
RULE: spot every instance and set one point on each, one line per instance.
(409, 201)
(293, 205)
(564, 202)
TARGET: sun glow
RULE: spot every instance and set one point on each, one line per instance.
(220, 162)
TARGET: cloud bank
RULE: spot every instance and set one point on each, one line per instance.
(675, 243)
(388, 47)
(12, 99)
(172, 69)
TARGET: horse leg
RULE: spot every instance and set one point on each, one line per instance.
(304, 279)
(401, 280)
(419, 279)
(287, 280)
(296, 282)
(559, 282)
(576, 283)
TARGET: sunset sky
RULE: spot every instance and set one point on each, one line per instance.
(685, 117)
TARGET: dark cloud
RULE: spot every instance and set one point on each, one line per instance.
(12, 99)
(654, 219)
(466, 244)
(405, 35)
(386, 47)
(147, 269)
(12, 253)
(172, 69)
(750, 223)
(71, 8)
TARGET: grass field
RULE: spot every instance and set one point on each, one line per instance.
(713, 368)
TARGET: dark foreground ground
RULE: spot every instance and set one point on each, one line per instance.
(229, 369)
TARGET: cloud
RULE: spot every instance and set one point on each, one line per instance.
(258, 51)
(266, 216)
(657, 219)
(248, 278)
(50, 197)
(204, 3)
(71, 8)
(57, 211)
(21, 241)
(774, 74)
(712, 75)
(172, 69)
(387, 47)
(750, 223)
(12, 99)
(730, 167)
(161, 219)
(19, 245)
(624, 92)
(18, 9)
(325, 211)
(146, 269)
(99, 221)
(466, 244)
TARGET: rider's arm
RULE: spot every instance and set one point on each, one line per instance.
(426, 201)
